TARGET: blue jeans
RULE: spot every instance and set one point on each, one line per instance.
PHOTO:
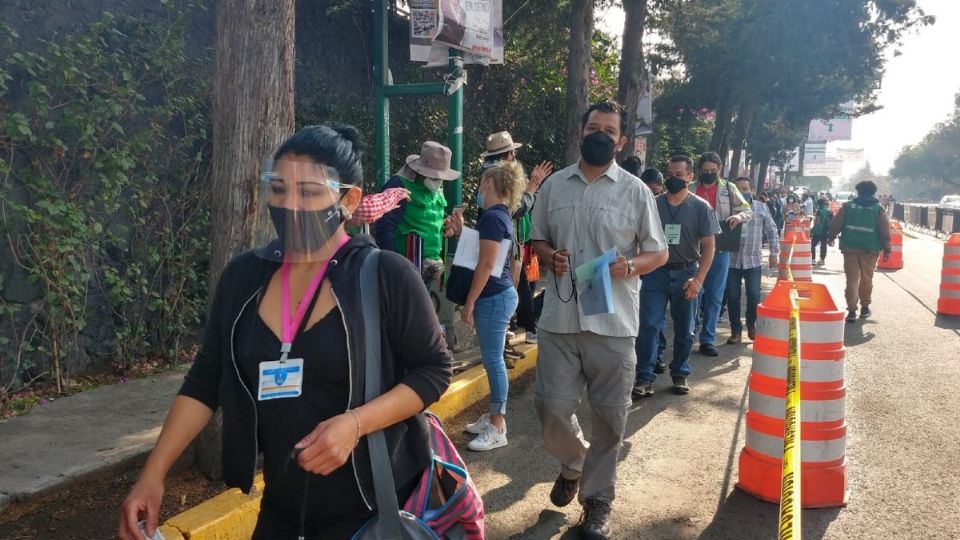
(712, 296)
(750, 276)
(491, 316)
(659, 287)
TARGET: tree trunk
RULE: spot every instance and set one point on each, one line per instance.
(252, 114)
(721, 124)
(578, 73)
(632, 73)
(740, 129)
(762, 169)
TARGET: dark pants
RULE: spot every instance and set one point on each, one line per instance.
(660, 287)
(751, 277)
(525, 312)
(822, 240)
(273, 526)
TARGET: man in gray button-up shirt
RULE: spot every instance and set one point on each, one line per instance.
(583, 211)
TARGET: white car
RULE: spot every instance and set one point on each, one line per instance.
(951, 201)
(844, 196)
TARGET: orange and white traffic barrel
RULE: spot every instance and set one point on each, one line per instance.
(796, 256)
(800, 225)
(895, 262)
(949, 302)
(823, 397)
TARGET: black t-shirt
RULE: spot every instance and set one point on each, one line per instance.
(283, 422)
(496, 224)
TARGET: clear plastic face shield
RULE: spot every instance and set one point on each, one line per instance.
(307, 204)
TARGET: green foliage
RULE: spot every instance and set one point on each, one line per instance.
(931, 168)
(103, 163)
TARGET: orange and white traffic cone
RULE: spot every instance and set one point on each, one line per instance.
(895, 262)
(822, 392)
(949, 302)
(796, 256)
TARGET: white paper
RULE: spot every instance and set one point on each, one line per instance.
(468, 252)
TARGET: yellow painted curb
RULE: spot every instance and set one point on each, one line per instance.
(232, 514)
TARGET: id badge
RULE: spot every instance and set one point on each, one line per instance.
(672, 232)
(280, 379)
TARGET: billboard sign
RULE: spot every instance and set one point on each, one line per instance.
(831, 167)
(834, 129)
(815, 153)
(473, 26)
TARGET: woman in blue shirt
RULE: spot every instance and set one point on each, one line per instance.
(493, 299)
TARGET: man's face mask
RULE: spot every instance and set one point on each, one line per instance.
(674, 184)
(597, 148)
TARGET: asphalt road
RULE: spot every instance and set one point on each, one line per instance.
(679, 461)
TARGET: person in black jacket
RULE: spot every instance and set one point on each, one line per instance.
(294, 390)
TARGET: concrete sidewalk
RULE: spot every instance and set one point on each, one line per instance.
(96, 430)
(76, 435)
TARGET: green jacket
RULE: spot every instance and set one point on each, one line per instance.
(424, 215)
(860, 226)
(821, 224)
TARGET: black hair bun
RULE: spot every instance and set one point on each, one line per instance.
(349, 133)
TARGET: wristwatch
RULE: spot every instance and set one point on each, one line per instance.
(631, 268)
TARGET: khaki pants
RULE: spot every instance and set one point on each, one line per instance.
(858, 265)
(604, 366)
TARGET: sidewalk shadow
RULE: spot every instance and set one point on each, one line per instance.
(742, 516)
(854, 334)
(947, 322)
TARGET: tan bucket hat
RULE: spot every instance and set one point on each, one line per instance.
(433, 161)
(498, 143)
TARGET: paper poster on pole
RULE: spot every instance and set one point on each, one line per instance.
(643, 124)
(473, 26)
(834, 129)
(424, 27)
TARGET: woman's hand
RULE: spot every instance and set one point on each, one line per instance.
(329, 445)
(538, 175)
(142, 502)
(466, 314)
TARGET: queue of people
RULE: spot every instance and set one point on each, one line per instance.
(283, 357)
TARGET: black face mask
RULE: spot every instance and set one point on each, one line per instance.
(597, 149)
(674, 184)
(708, 178)
(309, 231)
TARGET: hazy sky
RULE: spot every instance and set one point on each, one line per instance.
(916, 93)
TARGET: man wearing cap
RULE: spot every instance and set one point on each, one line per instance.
(732, 210)
(416, 229)
(583, 211)
(500, 147)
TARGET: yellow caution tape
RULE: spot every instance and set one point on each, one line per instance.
(789, 478)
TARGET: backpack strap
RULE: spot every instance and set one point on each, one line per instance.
(388, 508)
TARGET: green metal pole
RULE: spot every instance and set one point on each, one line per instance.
(381, 108)
(454, 190)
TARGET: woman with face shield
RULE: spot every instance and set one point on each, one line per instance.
(283, 356)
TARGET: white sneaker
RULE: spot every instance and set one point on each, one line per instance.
(489, 439)
(478, 427)
(531, 337)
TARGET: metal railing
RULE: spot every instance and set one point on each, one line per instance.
(929, 217)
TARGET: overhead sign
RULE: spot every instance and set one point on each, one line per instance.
(831, 167)
(834, 129)
(815, 153)
(850, 154)
(473, 26)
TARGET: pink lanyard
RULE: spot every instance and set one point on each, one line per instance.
(290, 326)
